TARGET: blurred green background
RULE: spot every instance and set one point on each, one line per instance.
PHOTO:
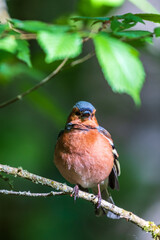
(29, 130)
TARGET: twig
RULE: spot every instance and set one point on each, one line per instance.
(129, 216)
(44, 81)
(29, 194)
(28, 36)
(81, 60)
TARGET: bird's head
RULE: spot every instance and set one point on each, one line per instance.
(83, 112)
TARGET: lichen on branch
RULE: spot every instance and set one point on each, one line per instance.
(63, 189)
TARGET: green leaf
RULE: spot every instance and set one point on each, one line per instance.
(120, 64)
(8, 44)
(101, 19)
(16, 46)
(121, 22)
(23, 51)
(118, 22)
(116, 25)
(149, 17)
(3, 27)
(111, 3)
(144, 5)
(157, 31)
(133, 34)
(58, 46)
(36, 26)
(129, 17)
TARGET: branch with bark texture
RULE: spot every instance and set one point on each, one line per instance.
(29, 194)
(4, 15)
(63, 189)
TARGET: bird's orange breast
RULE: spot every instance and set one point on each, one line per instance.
(84, 157)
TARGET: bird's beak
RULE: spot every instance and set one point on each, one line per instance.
(86, 114)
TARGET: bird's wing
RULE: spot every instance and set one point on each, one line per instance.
(113, 177)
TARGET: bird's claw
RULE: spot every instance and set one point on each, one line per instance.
(99, 201)
(75, 192)
(99, 197)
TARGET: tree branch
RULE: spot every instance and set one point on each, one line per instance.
(81, 60)
(29, 194)
(129, 216)
(47, 79)
(4, 15)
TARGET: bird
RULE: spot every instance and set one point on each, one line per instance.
(85, 155)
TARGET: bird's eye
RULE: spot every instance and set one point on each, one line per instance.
(77, 113)
(86, 115)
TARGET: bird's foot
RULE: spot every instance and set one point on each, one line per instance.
(99, 197)
(99, 201)
(75, 192)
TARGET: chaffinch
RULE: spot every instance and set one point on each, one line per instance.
(85, 155)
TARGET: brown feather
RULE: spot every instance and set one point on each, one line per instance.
(84, 157)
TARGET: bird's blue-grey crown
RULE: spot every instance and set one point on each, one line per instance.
(83, 106)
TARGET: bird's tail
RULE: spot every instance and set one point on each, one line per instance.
(101, 211)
